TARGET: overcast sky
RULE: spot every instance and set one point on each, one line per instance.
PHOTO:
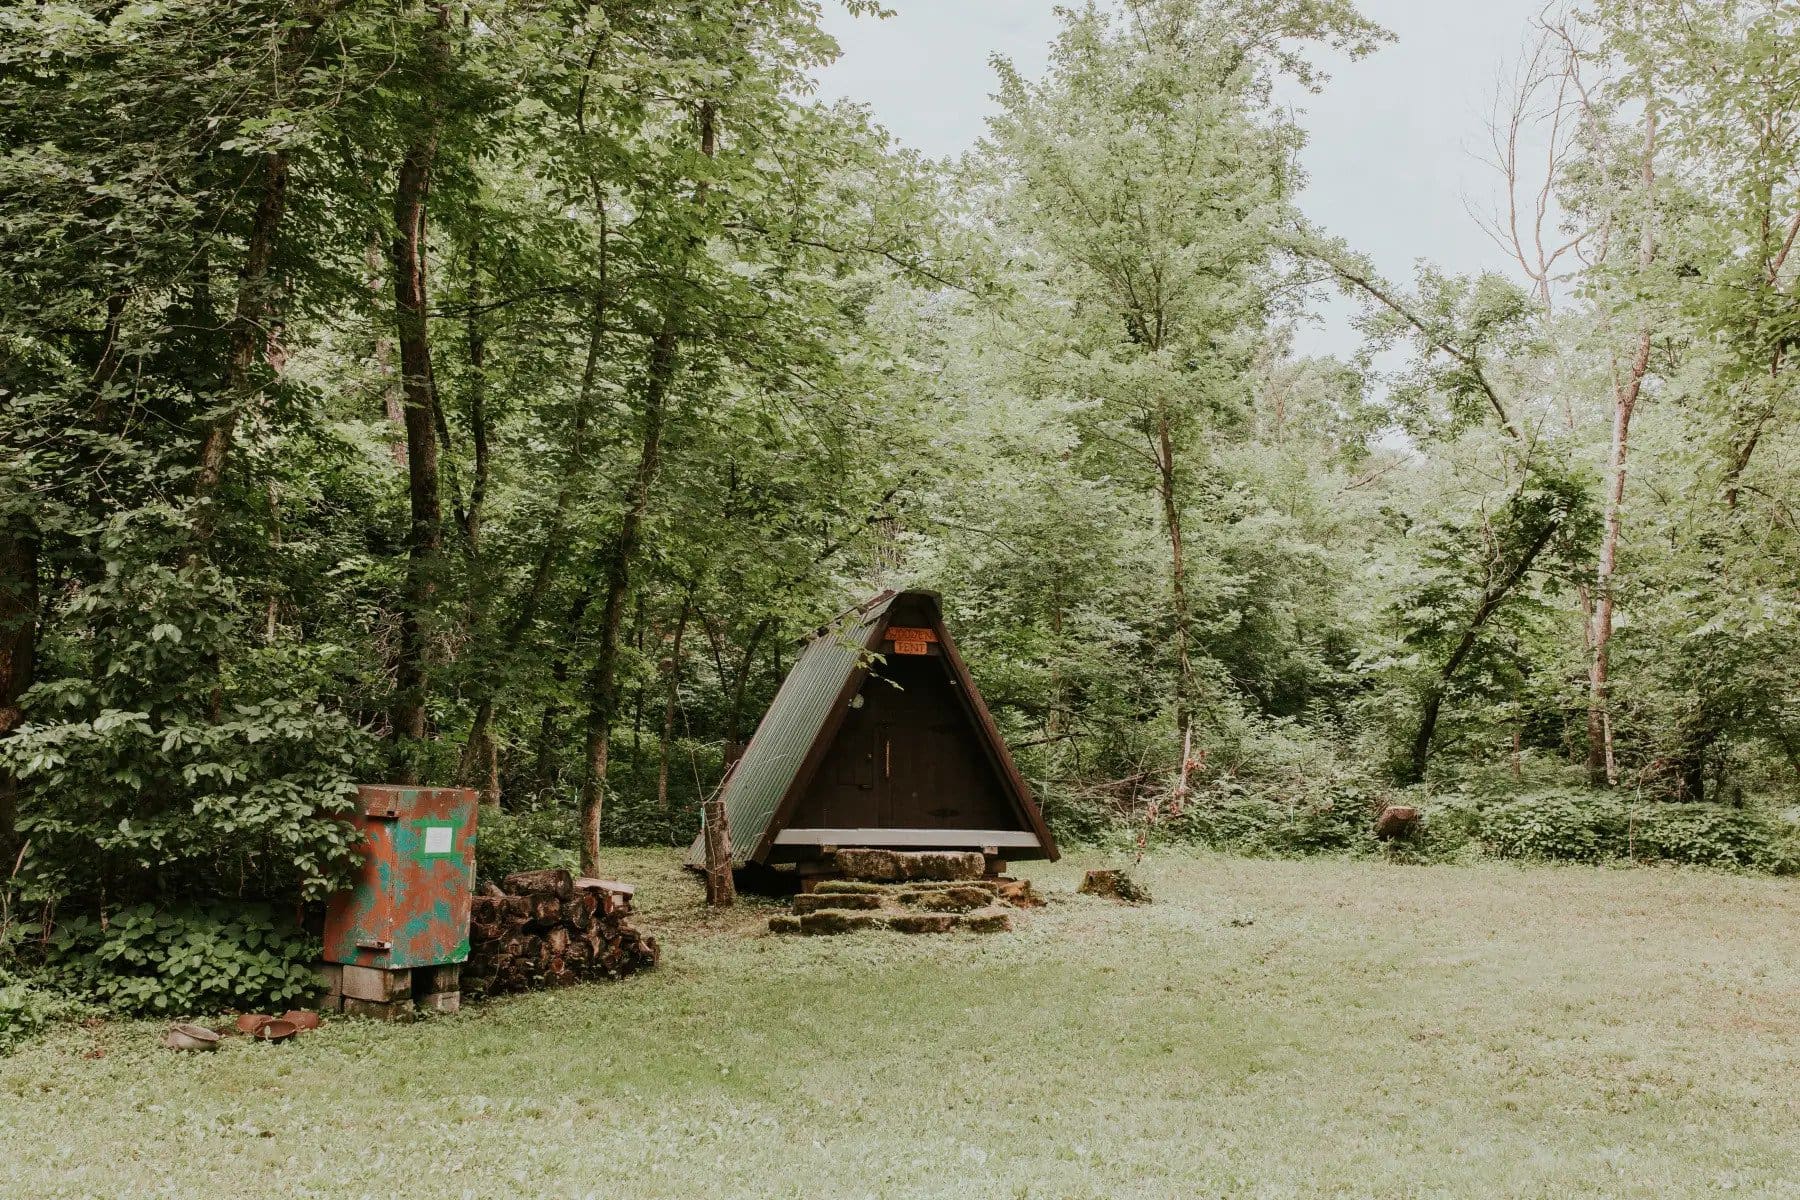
(1391, 139)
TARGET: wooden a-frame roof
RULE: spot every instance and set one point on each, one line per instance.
(767, 783)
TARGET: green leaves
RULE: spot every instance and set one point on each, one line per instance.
(134, 781)
(188, 961)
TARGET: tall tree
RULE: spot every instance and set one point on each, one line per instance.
(408, 261)
(1146, 177)
(1628, 383)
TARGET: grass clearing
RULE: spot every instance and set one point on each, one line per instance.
(1374, 1030)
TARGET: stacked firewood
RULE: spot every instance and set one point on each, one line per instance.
(540, 929)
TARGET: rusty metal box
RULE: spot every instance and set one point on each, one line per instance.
(409, 904)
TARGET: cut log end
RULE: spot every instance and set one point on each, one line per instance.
(1397, 823)
(548, 929)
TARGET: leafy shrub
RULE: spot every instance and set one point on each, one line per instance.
(1551, 823)
(1079, 818)
(1224, 816)
(27, 1006)
(186, 960)
(1555, 826)
(634, 817)
(1228, 815)
(506, 842)
(1450, 829)
(1712, 835)
(1584, 826)
(1338, 820)
(168, 754)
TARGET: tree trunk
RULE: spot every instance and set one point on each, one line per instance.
(480, 760)
(543, 769)
(602, 683)
(671, 705)
(18, 659)
(407, 257)
(1698, 734)
(112, 353)
(1491, 599)
(1165, 465)
(734, 736)
(249, 340)
(550, 555)
(1602, 769)
(602, 686)
(721, 889)
(478, 416)
(382, 355)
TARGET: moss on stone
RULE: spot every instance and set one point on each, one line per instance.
(987, 920)
(923, 922)
(938, 885)
(950, 899)
(835, 900)
(901, 865)
(832, 921)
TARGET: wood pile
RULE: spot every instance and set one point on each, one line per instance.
(539, 929)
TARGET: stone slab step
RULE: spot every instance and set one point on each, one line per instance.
(948, 899)
(895, 866)
(819, 901)
(830, 921)
(923, 922)
(987, 920)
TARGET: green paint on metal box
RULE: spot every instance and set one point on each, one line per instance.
(409, 905)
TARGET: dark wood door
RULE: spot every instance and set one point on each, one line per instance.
(906, 757)
(847, 789)
(934, 773)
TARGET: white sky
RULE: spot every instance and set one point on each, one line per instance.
(1392, 138)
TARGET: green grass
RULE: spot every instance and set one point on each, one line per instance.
(1375, 1031)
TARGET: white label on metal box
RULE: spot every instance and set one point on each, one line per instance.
(438, 839)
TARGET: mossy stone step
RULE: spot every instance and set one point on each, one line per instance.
(900, 866)
(987, 920)
(923, 922)
(835, 900)
(827, 921)
(950, 899)
(991, 886)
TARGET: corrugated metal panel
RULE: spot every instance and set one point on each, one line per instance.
(762, 776)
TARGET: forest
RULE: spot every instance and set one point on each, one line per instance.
(492, 393)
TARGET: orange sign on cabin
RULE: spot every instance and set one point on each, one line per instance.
(910, 640)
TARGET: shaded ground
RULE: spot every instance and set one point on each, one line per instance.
(1373, 1031)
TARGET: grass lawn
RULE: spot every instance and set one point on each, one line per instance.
(1265, 1029)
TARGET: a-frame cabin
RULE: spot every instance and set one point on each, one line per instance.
(878, 738)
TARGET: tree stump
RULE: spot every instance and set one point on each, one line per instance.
(1114, 885)
(1397, 823)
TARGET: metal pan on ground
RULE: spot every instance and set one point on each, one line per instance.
(182, 1036)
